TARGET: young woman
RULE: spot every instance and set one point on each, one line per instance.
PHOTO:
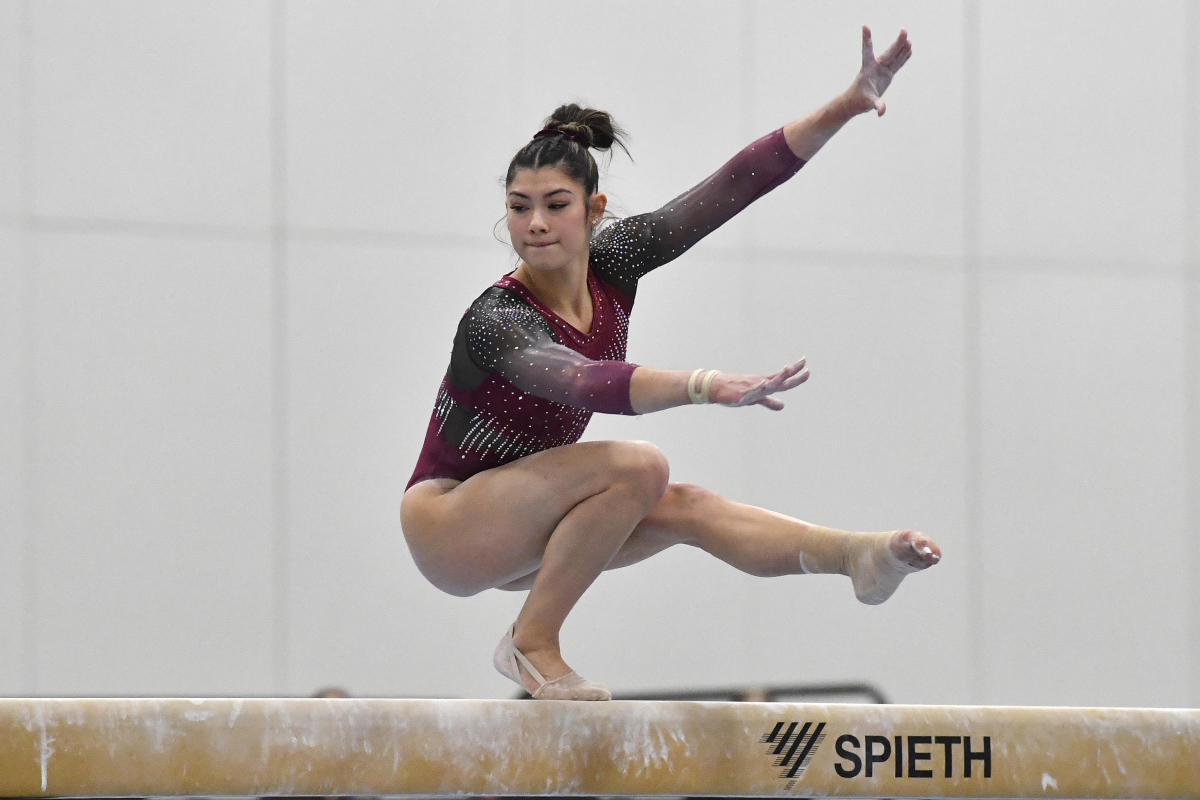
(504, 495)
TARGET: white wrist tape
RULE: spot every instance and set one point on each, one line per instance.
(699, 384)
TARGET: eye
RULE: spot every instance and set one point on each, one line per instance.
(558, 206)
(516, 207)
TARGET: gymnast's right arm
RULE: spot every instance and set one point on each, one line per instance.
(548, 369)
(657, 389)
(506, 336)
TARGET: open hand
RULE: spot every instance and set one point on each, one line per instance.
(747, 390)
(876, 74)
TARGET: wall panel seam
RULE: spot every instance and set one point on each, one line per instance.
(748, 105)
(1191, 311)
(351, 237)
(972, 348)
(281, 544)
(27, 351)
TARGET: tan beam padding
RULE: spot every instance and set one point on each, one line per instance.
(265, 747)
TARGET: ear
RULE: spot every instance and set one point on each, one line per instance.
(596, 208)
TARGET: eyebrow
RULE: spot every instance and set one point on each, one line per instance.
(548, 194)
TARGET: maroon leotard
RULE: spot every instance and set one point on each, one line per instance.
(522, 380)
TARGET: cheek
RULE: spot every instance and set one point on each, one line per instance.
(578, 224)
(513, 224)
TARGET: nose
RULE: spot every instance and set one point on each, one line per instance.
(537, 222)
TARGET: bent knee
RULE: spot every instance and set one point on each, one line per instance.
(419, 524)
(688, 497)
(652, 464)
(456, 579)
(682, 502)
(643, 468)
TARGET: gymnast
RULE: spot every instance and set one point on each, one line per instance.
(504, 496)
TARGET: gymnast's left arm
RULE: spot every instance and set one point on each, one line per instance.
(630, 248)
(807, 135)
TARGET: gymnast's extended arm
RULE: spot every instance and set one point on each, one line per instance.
(513, 341)
(506, 336)
(809, 134)
(626, 250)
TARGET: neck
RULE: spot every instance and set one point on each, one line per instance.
(564, 288)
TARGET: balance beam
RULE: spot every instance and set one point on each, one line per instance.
(264, 747)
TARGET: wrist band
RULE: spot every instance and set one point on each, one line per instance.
(698, 386)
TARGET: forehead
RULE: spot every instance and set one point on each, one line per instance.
(543, 180)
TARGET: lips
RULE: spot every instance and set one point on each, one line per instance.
(541, 244)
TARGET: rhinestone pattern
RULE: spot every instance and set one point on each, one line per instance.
(521, 379)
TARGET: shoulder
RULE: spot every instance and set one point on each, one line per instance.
(623, 237)
(496, 299)
(499, 310)
(497, 323)
(623, 251)
(492, 298)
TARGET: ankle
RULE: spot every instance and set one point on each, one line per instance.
(529, 641)
(828, 552)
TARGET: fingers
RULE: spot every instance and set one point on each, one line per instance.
(794, 367)
(795, 380)
(898, 54)
(876, 75)
(760, 393)
(868, 48)
(791, 376)
(893, 58)
(784, 381)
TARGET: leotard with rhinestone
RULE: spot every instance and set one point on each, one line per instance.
(522, 380)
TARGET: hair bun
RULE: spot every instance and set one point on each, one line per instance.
(579, 132)
(588, 126)
(557, 145)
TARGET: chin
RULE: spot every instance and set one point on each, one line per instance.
(542, 260)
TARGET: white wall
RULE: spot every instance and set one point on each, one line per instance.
(235, 238)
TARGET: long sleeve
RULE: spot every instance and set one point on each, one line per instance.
(627, 249)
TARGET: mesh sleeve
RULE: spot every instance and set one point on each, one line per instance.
(627, 249)
(506, 336)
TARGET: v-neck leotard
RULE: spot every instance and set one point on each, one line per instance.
(522, 380)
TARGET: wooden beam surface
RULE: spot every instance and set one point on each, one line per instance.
(275, 747)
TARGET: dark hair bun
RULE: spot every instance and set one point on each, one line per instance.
(590, 127)
(581, 128)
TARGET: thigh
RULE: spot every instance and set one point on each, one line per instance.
(676, 518)
(492, 528)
